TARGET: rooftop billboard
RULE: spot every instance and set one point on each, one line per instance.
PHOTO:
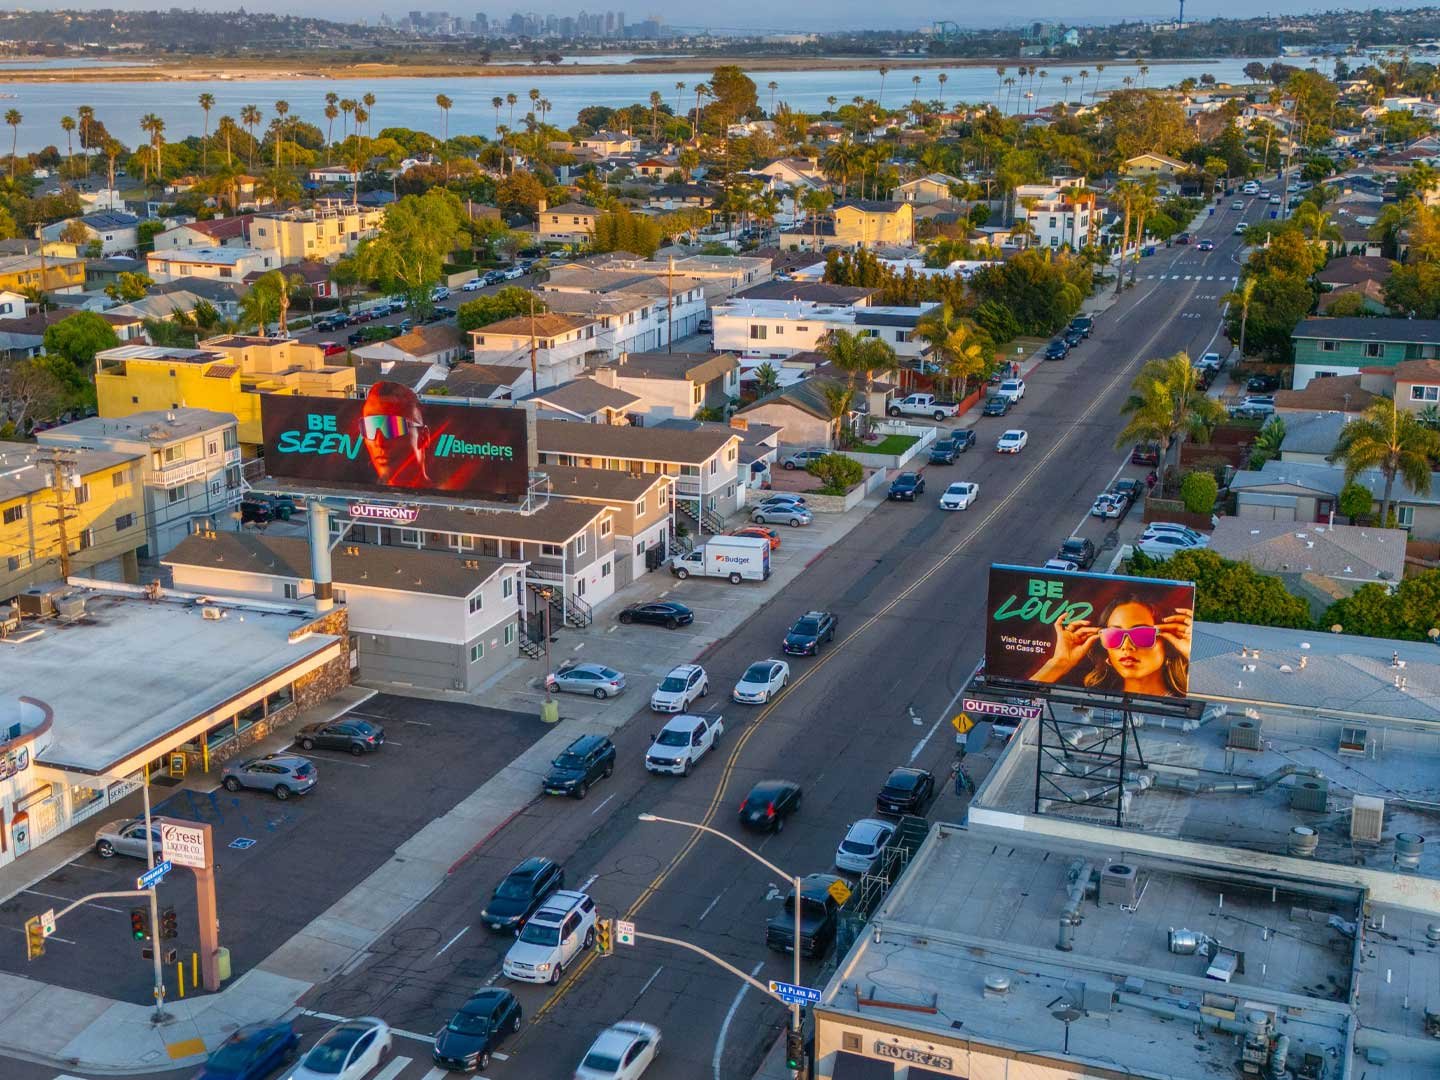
(1117, 635)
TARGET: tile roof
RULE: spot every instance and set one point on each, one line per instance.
(1350, 269)
(224, 228)
(1417, 371)
(221, 371)
(629, 443)
(1342, 392)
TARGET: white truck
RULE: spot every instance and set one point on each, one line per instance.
(923, 405)
(738, 558)
(682, 742)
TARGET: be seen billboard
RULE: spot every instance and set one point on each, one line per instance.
(392, 441)
(1118, 635)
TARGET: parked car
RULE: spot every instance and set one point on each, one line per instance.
(1057, 350)
(963, 438)
(682, 742)
(1211, 360)
(556, 934)
(995, 405)
(126, 837)
(922, 405)
(1079, 550)
(282, 775)
(943, 451)
(906, 791)
(586, 761)
(801, 459)
(1163, 545)
(1182, 238)
(1130, 488)
(348, 1051)
(1109, 504)
(1072, 338)
(863, 842)
(1255, 407)
(809, 631)
(522, 891)
(476, 1029)
(351, 734)
(666, 613)
(597, 680)
(819, 917)
(253, 1052)
(255, 511)
(793, 514)
(1012, 442)
(1084, 323)
(906, 486)
(1014, 389)
(959, 496)
(762, 681)
(679, 688)
(1155, 528)
(622, 1051)
(1262, 384)
(769, 803)
(475, 284)
(1146, 453)
(762, 531)
(1060, 564)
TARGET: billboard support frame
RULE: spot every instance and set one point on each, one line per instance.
(1106, 759)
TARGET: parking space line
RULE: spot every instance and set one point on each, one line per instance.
(338, 760)
(602, 805)
(421, 723)
(588, 882)
(709, 908)
(434, 1074)
(444, 948)
(68, 899)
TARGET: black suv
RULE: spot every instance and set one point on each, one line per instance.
(819, 916)
(963, 438)
(1078, 549)
(357, 736)
(476, 1029)
(579, 765)
(1083, 323)
(943, 451)
(524, 889)
(808, 632)
(996, 405)
(906, 486)
(906, 791)
(1057, 350)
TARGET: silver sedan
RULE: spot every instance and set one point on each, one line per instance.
(126, 837)
(596, 680)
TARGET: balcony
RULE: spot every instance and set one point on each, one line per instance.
(179, 472)
(232, 456)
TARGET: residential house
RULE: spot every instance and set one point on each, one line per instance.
(670, 385)
(1339, 393)
(657, 166)
(804, 173)
(484, 382)
(643, 509)
(586, 400)
(680, 197)
(412, 374)
(1354, 270)
(102, 272)
(608, 144)
(812, 292)
(435, 619)
(643, 309)
(1354, 239)
(559, 345)
(1417, 385)
(104, 516)
(23, 337)
(440, 345)
(216, 232)
(1370, 292)
(1164, 169)
(1060, 214)
(1328, 347)
(625, 320)
(720, 275)
(1310, 437)
(775, 329)
(326, 175)
(854, 224)
(323, 233)
(800, 411)
(13, 305)
(1297, 492)
(190, 465)
(19, 273)
(931, 188)
(567, 223)
(113, 230)
(221, 263)
(223, 296)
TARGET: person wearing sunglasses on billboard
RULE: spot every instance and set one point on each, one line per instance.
(1131, 648)
(396, 436)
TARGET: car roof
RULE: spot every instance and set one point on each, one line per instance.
(868, 829)
(1077, 541)
(1013, 431)
(815, 886)
(770, 787)
(585, 743)
(560, 903)
(614, 1040)
(685, 669)
(588, 666)
(535, 864)
(683, 722)
(906, 772)
(484, 1002)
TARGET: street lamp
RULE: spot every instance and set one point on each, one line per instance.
(795, 1021)
(160, 1014)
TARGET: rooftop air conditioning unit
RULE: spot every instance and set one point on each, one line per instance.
(1310, 795)
(1243, 735)
(1118, 885)
(38, 602)
(1367, 819)
(211, 614)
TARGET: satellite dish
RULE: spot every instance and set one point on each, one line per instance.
(1068, 1015)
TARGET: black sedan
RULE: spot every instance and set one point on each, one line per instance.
(769, 803)
(1073, 337)
(963, 438)
(523, 890)
(907, 485)
(356, 736)
(906, 792)
(996, 405)
(664, 613)
(1057, 350)
(1080, 550)
(476, 1029)
(808, 632)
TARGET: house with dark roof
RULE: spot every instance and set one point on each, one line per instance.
(561, 345)
(1341, 393)
(1321, 562)
(113, 230)
(586, 400)
(669, 385)
(1354, 270)
(801, 411)
(1298, 492)
(814, 292)
(1329, 347)
(437, 344)
(484, 382)
(1371, 294)
(413, 374)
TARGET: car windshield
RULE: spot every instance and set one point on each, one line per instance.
(329, 1056)
(672, 684)
(601, 1063)
(806, 626)
(1072, 547)
(538, 933)
(854, 847)
(955, 489)
(469, 1024)
(609, 673)
(671, 737)
(569, 761)
(757, 673)
(513, 888)
(901, 782)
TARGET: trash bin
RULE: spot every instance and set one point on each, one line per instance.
(549, 712)
(222, 963)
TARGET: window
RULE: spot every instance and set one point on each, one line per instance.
(662, 498)
(410, 537)
(211, 448)
(173, 453)
(18, 562)
(214, 487)
(87, 539)
(1374, 350)
(802, 329)
(1425, 393)
(580, 545)
(605, 570)
(731, 454)
(507, 586)
(552, 550)
(177, 494)
(124, 521)
(696, 393)
(902, 336)
(477, 652)
(640, 505)
(1405, 517)
(580, 587)
(292, 590)
(231, 439)
(1329, 346)
(476, 603)
(510, 633)
(14, 514)
(120, 479)
(758, 333)
(639, 548)
(714, 466)
(1052, 221)
(340, 596)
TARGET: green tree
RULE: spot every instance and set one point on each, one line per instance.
(767, 379)
(269, 299)
(839, 403)
(837, 473)
(70, 348)
(507, 303)
(1166, 402)
(733, 94)
(1393, 441)
(621, 230)
(1414, 290)
(1407, 614)
(75, 233)
(146, 232)
(30, 392)
(1198, 491)
(129, 287)
(1228, 591)
(961, 350)
(1355, 501)
(519, 193)
(13, 118)
(853, 355)
(418, 235)
(1267, 442)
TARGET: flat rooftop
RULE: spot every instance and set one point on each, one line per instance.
(131, 671)
(980, 903)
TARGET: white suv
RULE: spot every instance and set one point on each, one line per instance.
(678, 689)
(682, 742)
(555, 935)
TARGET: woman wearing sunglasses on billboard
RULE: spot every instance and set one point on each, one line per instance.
(1132, 648)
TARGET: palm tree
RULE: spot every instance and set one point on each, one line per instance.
(282, 110)
(999, 82)
(445, 103)
(1125, 194)
(1084, 75)
(1065, 81)
(839, 400)
(13, 118)
(1146, 198)
(207, 102)
(331, 112)
(815, 203)
(112, 149)
(1166, 402)
(1039, 97)
(250, 117)
(347, 106)
(854, 355)
(1430, 417)
(153, 126)
(67, 125)
(655, 102)
(880, 101)
(1099, 70)
(702, 91)
(772, 86)
(767, 379)
(511, 99)
(496, 102)
(679, 104)
(1009, 82)
(958, 346)
(1242, 296)
(369, 100)
(943, 79)
(1395, 442)
(840, 159)
(86, 113)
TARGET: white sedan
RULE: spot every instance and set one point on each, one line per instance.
(959, 496)
(622, 1051)
(1013, 441)
(1108, 506)
(862, 845)
(348, 1051)
(1163, 545)
(762, 681)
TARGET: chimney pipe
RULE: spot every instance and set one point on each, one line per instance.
(320, 556)
(1078, 879)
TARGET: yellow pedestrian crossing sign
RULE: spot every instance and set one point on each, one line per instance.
(963, 723)
(839, 891)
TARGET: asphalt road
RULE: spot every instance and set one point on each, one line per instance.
(908, 587)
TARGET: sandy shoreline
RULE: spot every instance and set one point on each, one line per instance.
(199, 71)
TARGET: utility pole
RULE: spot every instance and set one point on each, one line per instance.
(62, 464)
(534, 362)
(670, 307)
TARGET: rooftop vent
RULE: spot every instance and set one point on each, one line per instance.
(1409, 847)
(1243, 735)
(211, 614)
(1367, 819)
(1118, 885)
(1311, 795)
(997, 985)
(1303, 842)
(70, 607)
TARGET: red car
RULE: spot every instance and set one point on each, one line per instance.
(332, 348)
(759, 531)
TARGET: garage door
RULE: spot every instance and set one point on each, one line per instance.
(1248, 511)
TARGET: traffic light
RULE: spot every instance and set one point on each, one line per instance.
(168, 927)
(794, 1050)
(139, 924)
(602, 937)
(34, 938)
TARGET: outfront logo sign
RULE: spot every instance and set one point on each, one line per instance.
(367, 511)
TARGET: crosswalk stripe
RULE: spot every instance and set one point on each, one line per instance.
(436, 1073)
(396, 1066)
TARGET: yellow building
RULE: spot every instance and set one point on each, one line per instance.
(855, 224)
(103, 504)
(323, 234)
(226, 374)
(21, 272)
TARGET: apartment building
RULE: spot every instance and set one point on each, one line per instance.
(113, 230)
(100, 494)
(190, 466)
(637, 309)
(720, 275)
(217, 263)
(49, 272)
(673, 385)
(216, 232)
(1060, 214)
(775, 329)
(854, 224)
(324, 233)
(563, 344)
(643, 508)
(565, 224)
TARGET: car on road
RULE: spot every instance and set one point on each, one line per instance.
(906, 791)
(819, 917)
(769, 803)
(1241, 228)
(1079, 550)
(1014, 389)
(809, 632)
(793, 514)
(1238, 204)
(1147, 453)
(960, 495)
(801, 459)
(126, 837)
(282, 775)
(943, 451)
(963, 438)
(1211, 361)
(475, 284)
(557, 933)
(1012, 442)
(1129, 487)
(862, 845)
(764, 532)
(679, 688)
(1109, 505)
(1084, 323)
(682, 742)
(597, 680)
(906, 486)
(1057, 350)
(343, 733)
(586, 761)
(253, 1052)
(1205, 245)
(762, 681)
(666, 613)
(622, 1051)
(477, 1028)
(522, 891)
(1274, 200)
(1163, 545)
(348, 1051)
(995, 405)
(1072, 337)
(1182, 238)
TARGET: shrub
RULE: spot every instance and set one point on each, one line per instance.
(1198, 491)
(837, 473)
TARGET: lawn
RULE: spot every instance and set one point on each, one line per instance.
(891, 444)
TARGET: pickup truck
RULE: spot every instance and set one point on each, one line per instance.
(819, 917)
(682, 743)
(923, 405)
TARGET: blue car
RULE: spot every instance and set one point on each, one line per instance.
(253, 1053)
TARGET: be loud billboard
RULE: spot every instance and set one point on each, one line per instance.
(392, 441)
(1118, 635)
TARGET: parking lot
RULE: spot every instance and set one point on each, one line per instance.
(278, 864)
